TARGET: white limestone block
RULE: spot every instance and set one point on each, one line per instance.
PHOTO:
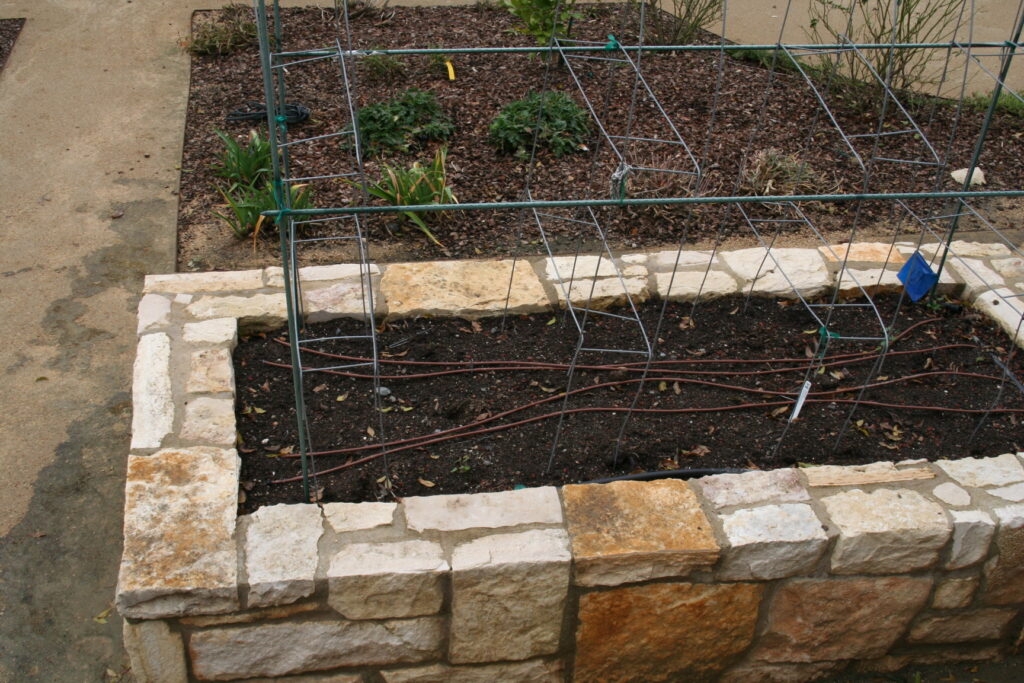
(281, 553)
(771, 542)
(387, 580)
(152, 400)
(508, 596)
(887, 531)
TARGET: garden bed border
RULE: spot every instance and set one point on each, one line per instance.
(778, 575)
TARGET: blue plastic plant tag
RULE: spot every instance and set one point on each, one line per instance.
(917, 276)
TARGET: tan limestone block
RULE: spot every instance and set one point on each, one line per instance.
(194, 283)
(256, 312)
(179, 524)
(752, 488)
(1004, 574)
(965, 627)
(250, 616)
(214, 331)
(687, 285)
(1010, 268)
(955, 593)
(211, 371)
(629, 531)
(508, 596)
(604, 293)
(856, 282)
(862, 254)
(337, 271)
(858, 475)
(283, 648)
(533, 671)
(1000, 470)
(494, 510)
(664, 631)
(209, 421)
(814, 620)
(156, 652)
(781, 271)
(344, 299)
(1007, 309)
(466, 289)
(760, 672)
(359, 516)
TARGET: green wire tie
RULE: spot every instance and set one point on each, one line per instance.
(823, 338)
(612, 44)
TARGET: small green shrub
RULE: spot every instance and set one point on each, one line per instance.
(915, 21)
(232, 30)
(418, 185)
(562, 125)
(680, 21)
(248, 202)
(538, 17)
(404, 122)
(248, 165)
(384, 68)
(1008, 104)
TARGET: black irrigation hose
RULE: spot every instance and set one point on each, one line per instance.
(257, 111)
(669, 474)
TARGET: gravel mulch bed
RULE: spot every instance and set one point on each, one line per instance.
(720, 129)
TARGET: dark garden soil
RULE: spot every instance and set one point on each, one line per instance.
(9, 30)
(722, 125)
(700, 407)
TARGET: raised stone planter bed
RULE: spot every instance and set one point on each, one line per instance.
(784, 575)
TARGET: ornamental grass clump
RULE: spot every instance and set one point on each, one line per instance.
(247, 168)
(416, 186)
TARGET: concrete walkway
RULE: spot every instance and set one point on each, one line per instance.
(92, 106)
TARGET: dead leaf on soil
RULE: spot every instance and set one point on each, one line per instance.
(428, 484)
(370, 431)
(698, 451)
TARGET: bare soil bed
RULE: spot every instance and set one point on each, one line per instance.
(722, 125)
(719, 395)
(9, 30)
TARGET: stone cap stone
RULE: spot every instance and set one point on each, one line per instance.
(483, 510)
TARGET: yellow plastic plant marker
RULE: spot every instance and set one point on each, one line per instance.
(451, 69)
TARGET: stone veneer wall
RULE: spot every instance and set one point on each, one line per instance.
(784, 575)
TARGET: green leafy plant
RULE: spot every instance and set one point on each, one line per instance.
(873, 21)
(542, 18)
(773, 172)
(416, 186)
(404, 122)
(233, 29)
(562, 125)
(383, 68)
(246, 204)
(680, 21)
(248, 165)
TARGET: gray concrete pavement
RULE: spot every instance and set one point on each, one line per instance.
(92, 107)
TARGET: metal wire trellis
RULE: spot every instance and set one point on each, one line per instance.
(586, 282)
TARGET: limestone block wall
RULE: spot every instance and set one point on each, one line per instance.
(782, 575)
